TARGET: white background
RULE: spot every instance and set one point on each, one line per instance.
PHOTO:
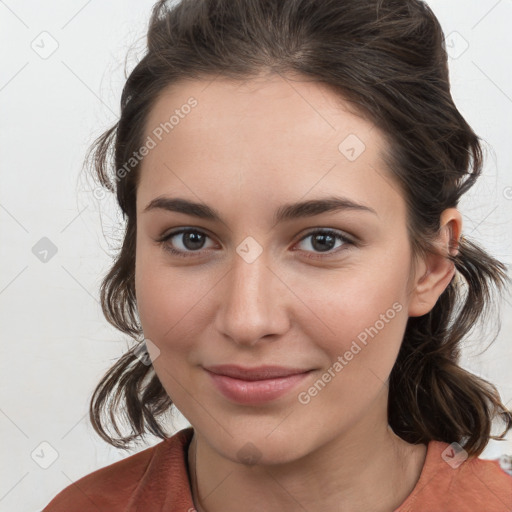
(55, 342)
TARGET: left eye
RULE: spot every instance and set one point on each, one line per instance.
(193, 241)
(323, 239)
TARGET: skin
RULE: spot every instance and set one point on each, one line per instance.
(246, 149)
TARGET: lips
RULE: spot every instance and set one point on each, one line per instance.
(255, 385)
(257, 373)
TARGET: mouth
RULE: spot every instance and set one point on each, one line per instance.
(255, 385)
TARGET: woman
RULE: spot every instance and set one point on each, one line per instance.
(294, 268)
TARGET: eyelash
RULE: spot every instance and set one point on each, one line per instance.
(191, 254)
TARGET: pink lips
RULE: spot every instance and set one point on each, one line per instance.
(255, 385)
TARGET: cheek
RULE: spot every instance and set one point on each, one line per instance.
(360, 316)
(172, 304)
(366, 319)
(161, 301)
(169, 308)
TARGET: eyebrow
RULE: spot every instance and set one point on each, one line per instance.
(283, 213)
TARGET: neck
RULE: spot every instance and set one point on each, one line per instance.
(374, 472)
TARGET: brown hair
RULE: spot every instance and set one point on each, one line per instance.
(388, 59)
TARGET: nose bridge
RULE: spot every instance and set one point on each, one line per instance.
(249, 303)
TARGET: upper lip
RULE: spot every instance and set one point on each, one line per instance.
(256, 373)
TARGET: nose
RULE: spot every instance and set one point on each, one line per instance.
(252, 303)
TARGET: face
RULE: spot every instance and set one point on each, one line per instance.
(321, 290)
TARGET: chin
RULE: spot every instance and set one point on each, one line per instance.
(257, 447)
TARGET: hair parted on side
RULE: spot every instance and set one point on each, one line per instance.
(387, 58)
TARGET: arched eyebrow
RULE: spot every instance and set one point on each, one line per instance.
(284, 213)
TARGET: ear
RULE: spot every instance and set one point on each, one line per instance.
(436, 271)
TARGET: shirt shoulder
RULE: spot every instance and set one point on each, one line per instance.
(474, 485)
(157, 476)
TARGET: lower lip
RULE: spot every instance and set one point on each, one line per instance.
(256, 391)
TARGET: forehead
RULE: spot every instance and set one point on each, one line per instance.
(268, 136)
(258, 109)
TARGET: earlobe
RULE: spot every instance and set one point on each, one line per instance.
(436, 270)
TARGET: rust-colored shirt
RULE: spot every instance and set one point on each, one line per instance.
(156, 480)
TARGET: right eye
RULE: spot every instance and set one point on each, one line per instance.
(190, 240)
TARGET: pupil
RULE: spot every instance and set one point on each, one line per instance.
(194, 238)
(321, 238)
